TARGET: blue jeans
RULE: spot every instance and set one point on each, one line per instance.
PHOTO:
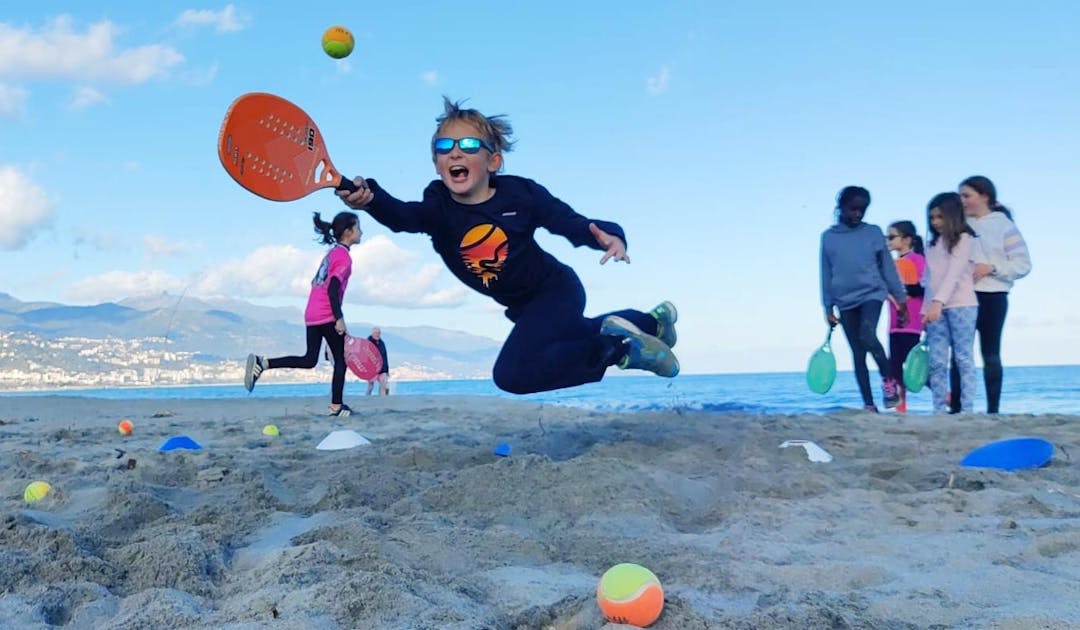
(954, 332)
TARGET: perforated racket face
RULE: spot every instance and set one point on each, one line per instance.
(273, 148)
(362, 357)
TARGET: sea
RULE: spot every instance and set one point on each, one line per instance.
(1027, 390)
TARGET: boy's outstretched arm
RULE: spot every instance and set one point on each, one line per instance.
(399, 216)
(614, 246)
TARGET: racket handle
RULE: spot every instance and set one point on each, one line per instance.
(346, 185)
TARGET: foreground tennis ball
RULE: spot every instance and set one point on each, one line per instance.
(125, 427)
(270, 429)
(338, 42)
(630, 594)
(36, 491)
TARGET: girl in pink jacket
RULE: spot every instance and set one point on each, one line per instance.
(950, 308)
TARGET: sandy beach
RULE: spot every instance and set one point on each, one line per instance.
(427, 528)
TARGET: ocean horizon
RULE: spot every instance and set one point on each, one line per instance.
(1027, 390)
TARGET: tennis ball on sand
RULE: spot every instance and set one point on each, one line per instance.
(125, 427)
(270, 429)
(630, 594)
(338, 42)
(36, 491)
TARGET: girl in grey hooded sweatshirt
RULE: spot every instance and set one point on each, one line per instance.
(857, 273)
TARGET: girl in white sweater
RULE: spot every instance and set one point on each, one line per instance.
(1001, 258)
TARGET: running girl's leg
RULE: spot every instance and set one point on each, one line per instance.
(336, 343)
(310, 358)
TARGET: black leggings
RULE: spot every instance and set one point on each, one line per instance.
(553, 345)
(991, 320)
(900, 344)
(334, 341)
(860, 328)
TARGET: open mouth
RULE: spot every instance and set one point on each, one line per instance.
(458, 173)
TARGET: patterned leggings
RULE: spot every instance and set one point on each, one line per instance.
(955, 331)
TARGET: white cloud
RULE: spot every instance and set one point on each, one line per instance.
(382, 274)
(658, 83)
(25, 208)
(85, 97)
(117, 285)
(57, 50)
(226, 20)
(269, 271)
(431, 77)
(12, 101)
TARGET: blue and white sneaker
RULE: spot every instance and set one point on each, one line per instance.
(643, 351)
(666, 315)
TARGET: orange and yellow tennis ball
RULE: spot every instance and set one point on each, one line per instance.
(36, 491)
(338, 42)
(630, 594)
(125, 427)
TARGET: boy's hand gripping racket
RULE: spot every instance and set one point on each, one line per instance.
(274, 149)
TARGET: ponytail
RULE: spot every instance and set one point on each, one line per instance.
(917, 244)
(330, 233)
(323, 228)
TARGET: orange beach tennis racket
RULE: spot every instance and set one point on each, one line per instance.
(273, 148)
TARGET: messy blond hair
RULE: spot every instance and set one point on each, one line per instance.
(495, 130)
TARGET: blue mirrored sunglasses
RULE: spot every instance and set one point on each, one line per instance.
(467, 145)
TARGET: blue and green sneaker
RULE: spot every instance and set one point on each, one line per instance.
(643, 351)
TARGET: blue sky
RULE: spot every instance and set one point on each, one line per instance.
(716, 133)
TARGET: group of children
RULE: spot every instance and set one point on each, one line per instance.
(954, 290)
(482, 223)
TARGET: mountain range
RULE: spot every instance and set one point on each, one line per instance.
(227, 330)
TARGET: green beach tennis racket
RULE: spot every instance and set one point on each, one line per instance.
(821, 372)
(917, 367)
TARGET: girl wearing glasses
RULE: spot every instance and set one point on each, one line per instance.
(950, 312)
(857, 273)
(910, 265)
(323, 317)
(481, 224)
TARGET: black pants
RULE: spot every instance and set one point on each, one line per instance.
(553, 345)
(860, 328)
(315, 336)
(900, 344)
(991, 321)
